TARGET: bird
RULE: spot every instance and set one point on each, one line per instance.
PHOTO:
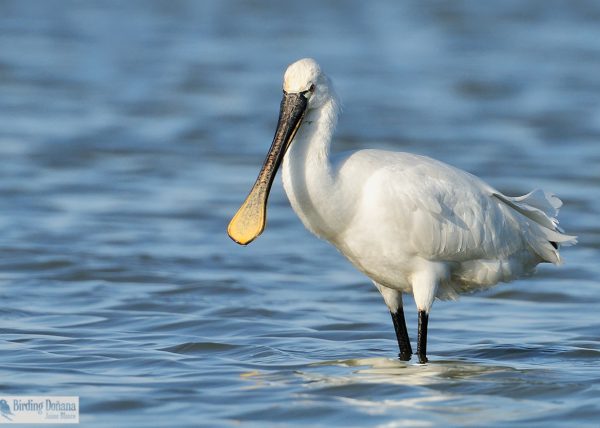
(410, 223)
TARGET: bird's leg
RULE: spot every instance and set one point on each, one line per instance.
(393, 300)
(425, 285)
(401, 334)
(422, 337)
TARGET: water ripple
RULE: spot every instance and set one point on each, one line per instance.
(130, 134)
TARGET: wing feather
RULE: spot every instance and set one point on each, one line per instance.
(444, 213)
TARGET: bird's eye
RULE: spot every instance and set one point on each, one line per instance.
(309, 91)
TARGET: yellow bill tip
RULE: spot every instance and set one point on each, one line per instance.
(249, 222)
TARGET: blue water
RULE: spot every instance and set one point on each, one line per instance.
(130, 132)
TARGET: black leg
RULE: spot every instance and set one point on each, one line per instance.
(401, 334)
(422, 338)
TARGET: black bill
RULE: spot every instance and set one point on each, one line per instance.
(250, 220)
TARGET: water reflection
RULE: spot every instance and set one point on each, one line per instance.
(394, 371)
(399, 391)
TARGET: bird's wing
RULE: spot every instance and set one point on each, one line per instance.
(444, 213)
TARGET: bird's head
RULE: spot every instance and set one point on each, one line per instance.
(304, 77)
(305, 87)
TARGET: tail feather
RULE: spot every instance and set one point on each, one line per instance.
(547, 202)
(544, 235)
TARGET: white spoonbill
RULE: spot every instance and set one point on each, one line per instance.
(410, 223)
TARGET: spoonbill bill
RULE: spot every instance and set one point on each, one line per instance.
(410, 223)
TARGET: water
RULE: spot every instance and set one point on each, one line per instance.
(131, 132)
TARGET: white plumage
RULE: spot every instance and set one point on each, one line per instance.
(410, 223)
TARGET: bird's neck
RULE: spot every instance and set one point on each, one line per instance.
(308, 175)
